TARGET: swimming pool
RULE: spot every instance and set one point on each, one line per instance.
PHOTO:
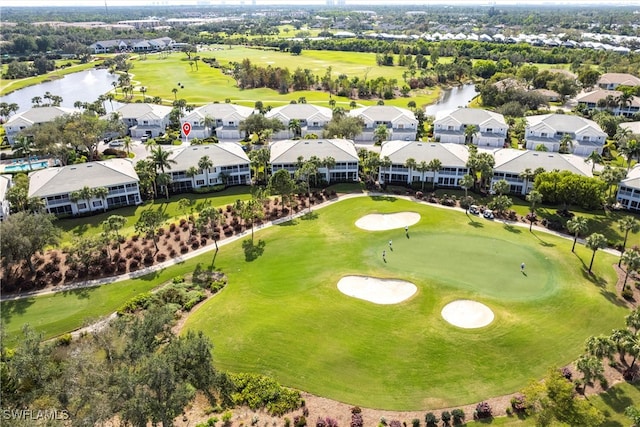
(24, 167)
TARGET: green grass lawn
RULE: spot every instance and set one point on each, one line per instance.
(614, 401)
(206, 84)
(283, 316)
(92, 225)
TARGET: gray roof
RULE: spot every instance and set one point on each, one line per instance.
(633, 178)
(299, 111)
(470, 116)
(382, 113)
(633, 126)
(288, 151)
(220, 111)
(221, 154)
(516, 161)
(565, 123)
(138, 109)
(66, 179)
(42, 114)
(454, 155)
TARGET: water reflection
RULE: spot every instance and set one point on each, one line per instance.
(453, 98)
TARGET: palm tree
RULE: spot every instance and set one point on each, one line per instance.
(422, 167)
(381, 133)
(594, 157)
(577, 225)
(328, 163)
(502, 186)
(601, 346)
(410, 164)
(295, 127)
(566, 142)
(160, 159)
(85, 193)
(127, 144)
(205, 163)
(631, 150)
(632, 260)
(101, 193)
(434, 166)
(527, 175)
(113, 224)
(594, 242)
(534, 197)
(24, 147)
(209, 218)
(627, 224)
(470, 133)
(164, 179)
(192, 172)
(466, 182)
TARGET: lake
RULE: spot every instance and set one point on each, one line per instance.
(84, 86)
(458, 96)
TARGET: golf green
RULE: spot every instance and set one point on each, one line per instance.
(282, 314)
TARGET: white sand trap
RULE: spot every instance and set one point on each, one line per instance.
(467, 314)
(379, 222)
(378, 291)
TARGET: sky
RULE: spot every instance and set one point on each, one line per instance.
(114, 3)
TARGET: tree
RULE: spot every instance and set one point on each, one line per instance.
(253, 208)
(295, 127)
(502, 186)
(554, 398)
(260, 158)
(601, 346)
(24, 147)
(470, 133)
(163, 180)
(113, 224)
(209, 218)
(343, 127)
(632, 260)
(184, 205)
(627, 224)
(257, 124)
(631, 150)
(281, 184)
(205, 163)
(595, 158)
(500, 203)
(527, 176)
(466, 182)
(594, 242)
(577, 225)
(410, 164)
(127, 144)
(304, 173)
(534, 198)
(101, 193)
(422, 167)
(24, 234)
(590, 367)
(633, 413)
(434, 166)
(380, 134)
(566, 143)
(149, 223)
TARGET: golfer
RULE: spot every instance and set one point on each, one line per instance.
(390, 243)
(384, 256)
(406, 229)
(522, 267)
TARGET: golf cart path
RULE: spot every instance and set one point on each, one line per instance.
(205, 249)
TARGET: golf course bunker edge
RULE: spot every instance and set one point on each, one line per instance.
(390, 221)
(467, 314)
(375, 290)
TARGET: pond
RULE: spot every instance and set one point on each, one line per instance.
(83, 86)
(458, 96)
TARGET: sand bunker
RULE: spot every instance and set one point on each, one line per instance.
(378, 222)
(378, 291)
(467, 314)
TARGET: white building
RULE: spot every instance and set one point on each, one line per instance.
(55, 186)
(231, 166)
(285, 154)
(401, 123)
(453, 159)
(5, 183)
(145, 119)
(312, 119)
(629, 190)
(548, 130)
(491, 128)
(220, 120)
(511, 163)
(32, 117)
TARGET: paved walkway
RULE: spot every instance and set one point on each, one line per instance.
(208, 248)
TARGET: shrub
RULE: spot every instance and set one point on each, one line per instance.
(172, 253)
(64, 340)
(458, 416)
(70, 274)
(431, 420)
(148, 259)
(446, 417)
(161, 257)
(172, 227)
(483, 411)
(395, 423)
(566, 372)
(356, 420)
(257, 391)
(627, 293)
(56, 276)
(518, 404)
(133, 264)
(415, 422)
(299, 421)
(184, 248)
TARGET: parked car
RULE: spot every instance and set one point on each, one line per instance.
(144, 138)
(474, 209)
(116, 143)
(488, 214)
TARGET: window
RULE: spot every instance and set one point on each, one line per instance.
(543, 134)
(82, 206)
(585, 138)
(400, 126)
(200, 182)
(97, 204)
(490, 130)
